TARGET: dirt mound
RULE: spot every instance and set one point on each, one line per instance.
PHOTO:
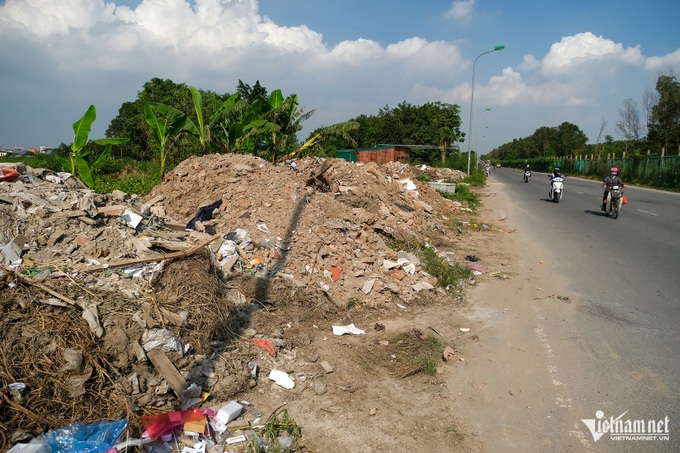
(109, 297)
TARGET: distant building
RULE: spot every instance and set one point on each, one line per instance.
(379, 154)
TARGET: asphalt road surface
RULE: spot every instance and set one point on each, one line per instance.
(620, 351)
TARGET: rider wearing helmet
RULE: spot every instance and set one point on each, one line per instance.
(555, 174)
(611, 180)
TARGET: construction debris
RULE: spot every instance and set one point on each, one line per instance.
(114, 305)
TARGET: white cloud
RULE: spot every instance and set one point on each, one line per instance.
(461, 10)
(669, 62)
(585, 50)
(46, 17)
(530, 62)
(359, 52)
(510, 89)
(417, 57)
(101, 53)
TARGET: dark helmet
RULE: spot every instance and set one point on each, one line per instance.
(556, 171)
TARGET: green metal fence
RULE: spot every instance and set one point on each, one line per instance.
(654, 171)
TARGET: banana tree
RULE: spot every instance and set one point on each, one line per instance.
(200, 130)
(240, 124)
(166, 123)
(77, 162)
(339, 130)
(285, 113)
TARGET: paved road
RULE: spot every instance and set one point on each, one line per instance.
(621, 350)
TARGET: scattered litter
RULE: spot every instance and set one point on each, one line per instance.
(477, 267)
(265, 345)
(253, 369)
(162, 339)
(235, 440)
(100, 436)
(420, 286)
(351, 329)
(198, 447)
(464, 329)
(282, 379)
(204, 214)
(227, 413)
(448, 353)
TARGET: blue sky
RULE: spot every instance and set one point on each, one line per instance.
(570, 61)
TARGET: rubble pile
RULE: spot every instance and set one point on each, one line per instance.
(149, 303)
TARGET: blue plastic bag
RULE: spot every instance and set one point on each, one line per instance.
(81, 438)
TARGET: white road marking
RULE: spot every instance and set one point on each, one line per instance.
(647, 212)
(560, 400)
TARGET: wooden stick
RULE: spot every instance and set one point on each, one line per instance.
(167, 256)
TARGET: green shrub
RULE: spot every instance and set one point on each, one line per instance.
(135, 177)
(477, 178)
(37, 161)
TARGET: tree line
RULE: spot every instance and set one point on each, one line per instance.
(653, 126)
(169, 122)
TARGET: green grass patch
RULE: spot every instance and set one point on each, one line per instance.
(279, 424)
(464, 195)
(138, 178)
(447, 274)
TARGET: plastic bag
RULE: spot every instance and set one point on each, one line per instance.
(161, 423)
(624, 199)
(81, 438)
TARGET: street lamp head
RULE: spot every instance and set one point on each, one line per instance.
(499, 47)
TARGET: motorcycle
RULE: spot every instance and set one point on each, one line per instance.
(527, 175)
(614, 203)
(555, 193)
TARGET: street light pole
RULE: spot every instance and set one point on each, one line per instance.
(472, 98)
(477, 132)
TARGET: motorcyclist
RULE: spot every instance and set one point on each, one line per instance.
(555, 174)
(611, 180)
(527, 168)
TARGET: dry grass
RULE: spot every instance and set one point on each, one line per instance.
(406, 354)
(34, 336)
